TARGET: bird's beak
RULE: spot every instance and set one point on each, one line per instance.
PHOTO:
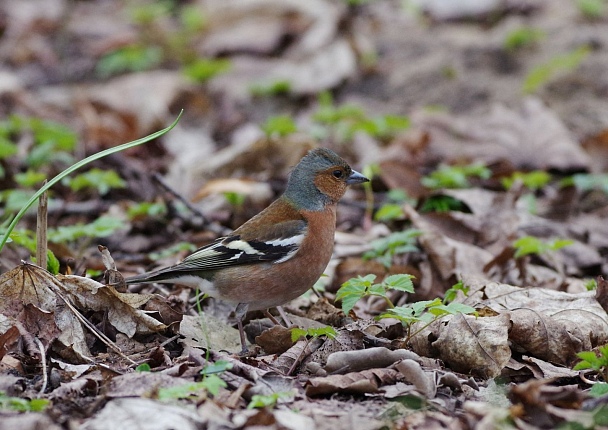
(356, 178)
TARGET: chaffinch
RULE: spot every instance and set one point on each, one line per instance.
(278, 254)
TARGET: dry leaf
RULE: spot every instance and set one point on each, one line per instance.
(366, 381)
(531, 137)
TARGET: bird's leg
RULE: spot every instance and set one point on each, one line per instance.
(284, 316)
(270, 317)
(241, 310)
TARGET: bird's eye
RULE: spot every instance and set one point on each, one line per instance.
(337, 173)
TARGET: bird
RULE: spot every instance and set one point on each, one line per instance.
(278, 254)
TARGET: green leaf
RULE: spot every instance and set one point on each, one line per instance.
(204, 69)
(75, 167)
(22, 405)
(29, 178)
(598, 390)
(213, 383)
(267, 400)
(528, 245)
(219, 366)
(401, 282)
(131, 58)
(533, 180)
(7, 148)
(281, 125)
(389, 212)
(522, 37)
(543, 73)
(455, 176)
(297, 333)
(353, 290)
(102, 227)
(101, 180)
(143, 367)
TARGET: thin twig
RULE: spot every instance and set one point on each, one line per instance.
(212, 226)
(45, 376)
(41, 229)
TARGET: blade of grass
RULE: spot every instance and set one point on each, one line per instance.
(77, 166)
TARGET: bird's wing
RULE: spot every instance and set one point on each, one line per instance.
(278, 243)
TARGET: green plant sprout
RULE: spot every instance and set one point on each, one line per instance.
(51, 141)
(203, 69)
(297, 333)
(211, 384)
(543, 73)
(591, 284)
(143, 367)
(592, 9)
(597, 362)
(95, 179)
(22, 405)
(424, 312)
(400, 242)
(348, 119)
(522, 37)
(451, 293)
(279, 126)
(455, 176)
(355, 289)
(393, 208)
(268, 400)
(587, 182)
(442, 203)
(130, 58)
(534, 180)
(4, 235)
(530, 245)
(146, 209)
(271, 89)
(235, 199)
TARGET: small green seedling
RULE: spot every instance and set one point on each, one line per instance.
(281, 126)
(272, 89)
(522, 37)
(599, 362)
(425, 312)
(130, 58)
(543, 73)
(534, 180)
(451, 293)
(22, 405)
(587, 182)
(530, 245)
(393, 208)
(203, 69)
(591, 285)
(400, 242)
(355, 289)
(455, 176)
(297, 333)
(146, 209)
(95, 179)
(212, 385)
(143, 367)
(592, 9)
(268, 400)
(346, 120)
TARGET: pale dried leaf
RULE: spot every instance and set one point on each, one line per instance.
(366, 381)
(474, 345)
(531, 137)
(122, 308)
